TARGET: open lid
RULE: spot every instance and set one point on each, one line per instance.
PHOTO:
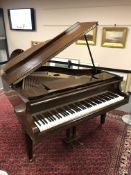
(30, 60)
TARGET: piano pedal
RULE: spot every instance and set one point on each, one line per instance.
(78, 143)
(81, 143)
(72, 142)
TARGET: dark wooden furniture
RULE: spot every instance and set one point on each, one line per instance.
(47, 99)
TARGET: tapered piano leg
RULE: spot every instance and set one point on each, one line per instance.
(103, 116)
(29, 144)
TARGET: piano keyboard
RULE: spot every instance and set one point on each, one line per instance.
(75, 111)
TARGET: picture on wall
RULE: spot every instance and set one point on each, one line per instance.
(91, 37)
(114, 37)
(22, 19)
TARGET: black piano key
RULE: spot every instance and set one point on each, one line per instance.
(45, 121)
(100, 98)
(51, 116)
(110, 95)
(36, 120)
(39, 117)
(63, 113)
(60, 111)
(86, 103)
(104, 97)
(59, 116)
(92, 102)
(77, 107)
(101, 101)
(81, 106)
(114, 94)
(54, 113)
(43, 118)
(69, 110)
(107, 97)
(48, 117)
(95, 100)
(73, 107)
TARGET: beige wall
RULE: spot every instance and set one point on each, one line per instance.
(54, 16)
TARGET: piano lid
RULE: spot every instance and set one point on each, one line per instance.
(30, 60)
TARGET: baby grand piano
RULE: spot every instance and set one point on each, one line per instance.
(53, 98)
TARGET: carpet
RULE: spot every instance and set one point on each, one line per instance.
(106, 150)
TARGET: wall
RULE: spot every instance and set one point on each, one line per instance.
(52, 17)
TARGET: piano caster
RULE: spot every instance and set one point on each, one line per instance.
(71, 139)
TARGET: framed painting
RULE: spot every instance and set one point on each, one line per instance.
(91, 37)
(114, 37)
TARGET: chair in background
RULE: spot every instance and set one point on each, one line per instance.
(15, 53)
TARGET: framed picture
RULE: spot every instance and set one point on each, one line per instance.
(91, 37)
(114, 37)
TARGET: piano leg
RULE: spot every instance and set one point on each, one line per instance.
(29, 144)
(102, 120)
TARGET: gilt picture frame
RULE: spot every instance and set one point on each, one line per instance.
(114, 37)
(91, 37)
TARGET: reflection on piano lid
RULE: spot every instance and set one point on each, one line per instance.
(51, 98)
